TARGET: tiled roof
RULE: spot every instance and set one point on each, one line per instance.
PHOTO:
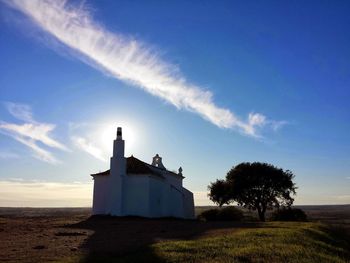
(136, 166)
(170, 172)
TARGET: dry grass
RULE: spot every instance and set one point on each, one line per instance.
(270, 242)
(69, 235)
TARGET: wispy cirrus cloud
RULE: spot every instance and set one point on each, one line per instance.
(31, 133)
(92, 138)
(96, 138)
(20, 111)
(87, 146)
(130, 60)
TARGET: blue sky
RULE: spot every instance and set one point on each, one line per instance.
(206, 85)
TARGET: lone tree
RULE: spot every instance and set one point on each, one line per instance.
(256, 186)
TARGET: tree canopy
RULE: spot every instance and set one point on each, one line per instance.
(256, 186)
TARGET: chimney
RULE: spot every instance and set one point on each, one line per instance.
(118, 147)
(119, 134)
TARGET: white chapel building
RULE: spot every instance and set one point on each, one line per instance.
(134, 188)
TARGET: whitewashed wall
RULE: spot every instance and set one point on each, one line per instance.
(100, 195)
(157, 190)
(188, 204)
(136, 195)
(174, 180)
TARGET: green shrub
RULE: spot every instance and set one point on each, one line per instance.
(230, 213)
(289, 214)
(209, 215)
(224, 214)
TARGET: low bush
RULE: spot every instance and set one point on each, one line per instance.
(223, 214)
(289, 214)
(209, 215)
(230, 213)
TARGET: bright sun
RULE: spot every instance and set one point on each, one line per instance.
(108, 134)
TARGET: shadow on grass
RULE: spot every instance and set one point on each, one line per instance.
(115, 237)
(335, 240)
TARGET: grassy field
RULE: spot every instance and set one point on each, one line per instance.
(268, 242)
(71, 235)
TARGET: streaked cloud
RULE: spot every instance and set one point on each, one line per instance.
(31, 133)
(85, 137)
(20, 111)
(131, 61)
(21, 193)
(89, 147)
(96, 138)
(35, 131)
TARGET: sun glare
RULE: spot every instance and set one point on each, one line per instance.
(108, 134)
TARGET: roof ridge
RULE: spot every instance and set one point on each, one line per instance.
(131, 166)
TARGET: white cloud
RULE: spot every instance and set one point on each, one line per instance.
(89, 147)
(20, 111)
(96, 138)
(38, 152)
(22, 193)
(129, 60)
(31, 133)
(35, 131)
(256, 119)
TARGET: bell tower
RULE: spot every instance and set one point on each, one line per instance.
(157, 162)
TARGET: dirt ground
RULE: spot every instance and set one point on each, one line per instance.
(43, 235)
(63, 234)
(40, 235)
